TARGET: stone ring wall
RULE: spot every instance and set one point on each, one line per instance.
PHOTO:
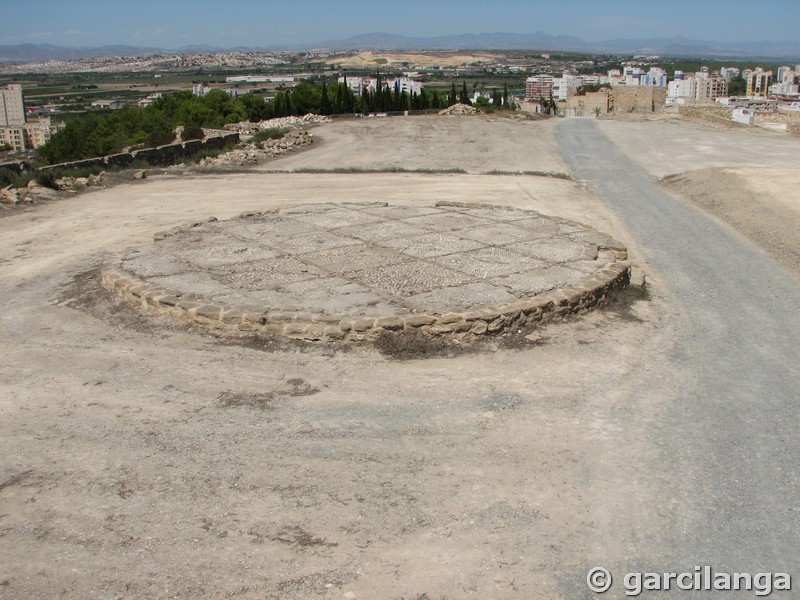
(351, 272)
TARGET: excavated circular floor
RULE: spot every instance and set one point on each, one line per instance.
(353, 270)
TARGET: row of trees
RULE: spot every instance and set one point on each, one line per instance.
(98, 134)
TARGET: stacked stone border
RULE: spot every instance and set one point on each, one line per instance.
(162, 156)
(592, 291)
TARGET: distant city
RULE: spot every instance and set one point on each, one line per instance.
(554, 83)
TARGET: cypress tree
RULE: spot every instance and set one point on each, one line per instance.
(464, 98)
(324, 101)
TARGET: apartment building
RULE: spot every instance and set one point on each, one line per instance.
(566, 85)
(539, 86)
(358, 84)
(15, 131)
(12, 106)
(710, 87)
(758, 82)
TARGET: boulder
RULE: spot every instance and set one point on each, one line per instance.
(9, 195)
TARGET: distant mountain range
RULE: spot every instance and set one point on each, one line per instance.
(674, 46)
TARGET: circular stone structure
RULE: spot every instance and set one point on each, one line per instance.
(354, 271)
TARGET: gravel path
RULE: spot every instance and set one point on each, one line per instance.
(722, 409)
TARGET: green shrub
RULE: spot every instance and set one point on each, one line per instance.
(47, 179)
(9, 177)
(273, 133)
(192, 132)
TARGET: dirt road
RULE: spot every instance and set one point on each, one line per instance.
(722, 408)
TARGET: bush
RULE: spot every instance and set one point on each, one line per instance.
(9, 177)
(273, 133)
(47, 179)
(192, 132)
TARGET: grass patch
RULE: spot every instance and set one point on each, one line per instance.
(273, 133)
(410, 344)
(356, 170)
(554, 174)
(196, 158)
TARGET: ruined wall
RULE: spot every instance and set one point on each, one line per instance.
(588, 105)
(717, 115)
(637, 98)
(162, 156)
(16, 167)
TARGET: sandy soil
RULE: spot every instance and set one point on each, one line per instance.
(474, 144)
(669, 145)
(145, 460)
(763, 204)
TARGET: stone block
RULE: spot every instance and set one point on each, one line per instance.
(334, 333)
(451, 318)
(208, 311)
(363, 324)
(479, 328)
(495, 325)
(390, 323)
(294, 329)
(419, 320)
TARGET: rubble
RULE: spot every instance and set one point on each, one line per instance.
(32, 193)
(77, 183)
(9, 195)
(459, 109)
(252, 154)
(284, 123)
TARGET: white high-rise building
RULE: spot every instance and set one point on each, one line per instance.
(12, 106)
(566, 85)
(784, 73)
(656, 77)
(729, 73)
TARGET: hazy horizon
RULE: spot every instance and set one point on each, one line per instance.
(274, 23)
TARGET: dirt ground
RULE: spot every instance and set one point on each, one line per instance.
(142, 459)
(474, 144)
(763, 204)
(668, 145)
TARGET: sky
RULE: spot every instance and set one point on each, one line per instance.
(271, 23)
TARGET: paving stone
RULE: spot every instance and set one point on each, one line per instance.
(332, 219)
(490, 262)
(409, 278)
(432, 244)
(348, 270)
